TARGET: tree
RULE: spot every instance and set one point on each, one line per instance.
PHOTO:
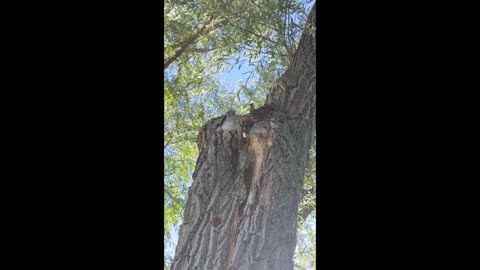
(248, 182)
(256, 34)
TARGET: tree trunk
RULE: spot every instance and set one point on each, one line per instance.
(243, 204)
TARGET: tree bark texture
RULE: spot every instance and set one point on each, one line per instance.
(243, 204)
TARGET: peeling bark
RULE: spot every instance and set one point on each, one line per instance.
(243, 204)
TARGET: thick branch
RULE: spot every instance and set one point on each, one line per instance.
(298, 97)
(191, 40)
(183, 46)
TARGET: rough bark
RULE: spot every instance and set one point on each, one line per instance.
(243, 203)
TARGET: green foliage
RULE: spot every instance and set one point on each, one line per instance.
(305, 252)
(222, 34)
(309, 181)
(202, 39)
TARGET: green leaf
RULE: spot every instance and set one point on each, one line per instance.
(238, 94)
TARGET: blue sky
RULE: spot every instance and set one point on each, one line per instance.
(238, 75)
(235, 75)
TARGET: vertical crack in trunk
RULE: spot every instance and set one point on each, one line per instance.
(233, 239)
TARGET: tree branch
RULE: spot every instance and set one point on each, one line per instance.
(183, 46)
(191, 40)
